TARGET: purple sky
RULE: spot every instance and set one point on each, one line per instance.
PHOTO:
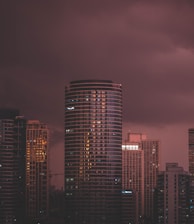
(147, 46)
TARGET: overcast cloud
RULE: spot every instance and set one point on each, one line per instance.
(147, 46)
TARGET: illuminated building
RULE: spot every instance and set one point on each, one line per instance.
(37, 170)
(12, 167)
(140, 163)
(173, 195)
(93, 138)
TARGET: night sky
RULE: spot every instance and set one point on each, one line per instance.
(147, 46)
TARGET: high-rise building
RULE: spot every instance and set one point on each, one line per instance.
(173, 195)
(12, 167)
(133, 170)
(151, 150)
(140, 164)
(37, 170)
(191, 171)
(93, 139)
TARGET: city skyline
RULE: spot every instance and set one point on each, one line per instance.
(145, 46)
(93, 137)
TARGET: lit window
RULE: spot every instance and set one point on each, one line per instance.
(130, 147)
(70, 108)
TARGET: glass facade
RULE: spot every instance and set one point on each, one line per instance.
(37, 179)
(93, 156)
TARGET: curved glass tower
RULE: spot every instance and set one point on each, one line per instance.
(93, 155)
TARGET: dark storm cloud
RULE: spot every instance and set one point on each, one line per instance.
(145, 45)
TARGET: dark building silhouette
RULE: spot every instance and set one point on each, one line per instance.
(12, 167)
(129, 207)
(191, 152)
(93, 138)
(173, 195)
(56, 205)
(191, 171)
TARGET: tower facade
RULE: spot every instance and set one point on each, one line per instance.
(173, 195)
(151, 150)
(140, 165)
(12, 167)
(37, 170)
(133, 171)
(93, 138)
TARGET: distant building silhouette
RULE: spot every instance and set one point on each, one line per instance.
(191, 171)
(191, 152)
(173, 195)
(37, 170)
(56, 204)
(93, 138)
(12, 167)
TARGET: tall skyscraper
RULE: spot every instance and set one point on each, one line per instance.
(37, 170)
(93, 138)
(12, 167)
(133, 170)
(151, 149)
(173, 195)
(140, 164)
